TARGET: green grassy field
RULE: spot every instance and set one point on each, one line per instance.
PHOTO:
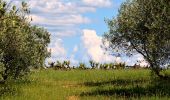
(87, 85)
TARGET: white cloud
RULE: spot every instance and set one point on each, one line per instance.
(58, 49)
(57, 13)
(65, 20)
(93, 44)
(59, 7)
(66, 33)
(58, 52)
(98, 3)
(73, 61)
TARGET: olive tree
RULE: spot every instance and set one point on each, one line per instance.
(22, 45)
(93, 64)
(143, 26)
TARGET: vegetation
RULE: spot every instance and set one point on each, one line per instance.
(88, 85)
(142, 26)
(22, 45)
(93, 64)
(65, 65)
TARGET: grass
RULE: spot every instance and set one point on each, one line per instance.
(87, 85)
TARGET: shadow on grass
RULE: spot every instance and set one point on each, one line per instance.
(130, 88)
(119, 82)
(6, 90)
(10, 88)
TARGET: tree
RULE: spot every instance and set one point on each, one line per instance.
(111, 65)
(82, 66)
(143, 26)
(22, 45)
(67, 63)
(104, 66)
(93, 64)
(58, 65)
(51, 64)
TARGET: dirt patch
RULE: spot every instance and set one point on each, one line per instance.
(73, 98)
(71, 85)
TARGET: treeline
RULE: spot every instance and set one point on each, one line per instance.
(65, 65)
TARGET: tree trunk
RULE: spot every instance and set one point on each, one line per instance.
(157, 71)
(17, 72)
(5, 74)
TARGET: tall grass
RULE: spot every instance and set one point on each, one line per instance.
(87, 85)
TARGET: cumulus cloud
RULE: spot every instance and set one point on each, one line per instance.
(92, 43)
(73, 61)
(59, 6)
(56, 13)
(65, 20)
(98, 3)
(58, 49)
(59, 53)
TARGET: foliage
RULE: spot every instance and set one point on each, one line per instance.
(82, 66)
(60, 65)
(104, 66)
(51, 64)
(113, 66)
(143, 26)
(120, 66)
(93, 64)
(65, 65)
(22, 45)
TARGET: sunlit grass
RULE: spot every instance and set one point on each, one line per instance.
(87, 85)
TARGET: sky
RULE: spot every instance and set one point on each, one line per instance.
(76, 28)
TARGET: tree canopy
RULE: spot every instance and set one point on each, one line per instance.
(143, 26)
(22, 45)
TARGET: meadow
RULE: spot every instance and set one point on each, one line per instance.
(89, 84)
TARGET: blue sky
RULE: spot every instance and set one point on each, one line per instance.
(76, 28)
